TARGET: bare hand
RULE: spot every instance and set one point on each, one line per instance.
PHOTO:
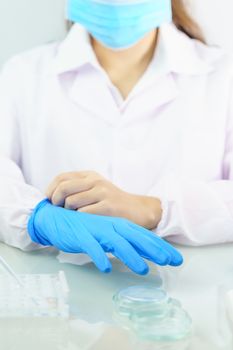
(89, 192)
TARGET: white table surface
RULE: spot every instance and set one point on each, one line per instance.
(200, 285)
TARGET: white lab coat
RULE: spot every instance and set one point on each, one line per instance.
(171, 138)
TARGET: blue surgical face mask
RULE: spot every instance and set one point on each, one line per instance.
(119, 24)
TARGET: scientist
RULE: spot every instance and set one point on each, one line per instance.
(117, 137)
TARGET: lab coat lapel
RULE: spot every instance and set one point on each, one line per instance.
(90, 92)
(160, 92)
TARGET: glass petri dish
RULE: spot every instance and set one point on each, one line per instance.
(150, 313)
(176, 325)
(147, 299)
(137, 297)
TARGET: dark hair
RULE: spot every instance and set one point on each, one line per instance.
(184, 21)
(181, 18)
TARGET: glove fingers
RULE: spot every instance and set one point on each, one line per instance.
(176, 257)
(147, 246)
(123, 250)
(92, 248)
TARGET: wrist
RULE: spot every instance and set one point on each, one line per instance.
(154, 212)
(143, 210)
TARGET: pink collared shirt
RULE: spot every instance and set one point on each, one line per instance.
(172, 138)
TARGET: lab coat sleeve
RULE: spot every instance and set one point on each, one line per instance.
(199, 213)
(17, 199)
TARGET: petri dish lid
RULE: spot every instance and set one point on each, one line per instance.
(151, 313)
(137, 297)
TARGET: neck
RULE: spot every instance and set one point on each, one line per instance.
(125, 67)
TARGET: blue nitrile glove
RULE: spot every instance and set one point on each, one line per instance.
(75, 232)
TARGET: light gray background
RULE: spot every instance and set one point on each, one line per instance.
(28, 23)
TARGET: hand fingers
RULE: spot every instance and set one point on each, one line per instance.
(78, 175)
(68, 189)
(61, 178)
(97, 209)
(123, 250)
(146, 246)
(83, 199)
(176, 257)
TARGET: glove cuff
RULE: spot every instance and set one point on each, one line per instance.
(31, 224)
